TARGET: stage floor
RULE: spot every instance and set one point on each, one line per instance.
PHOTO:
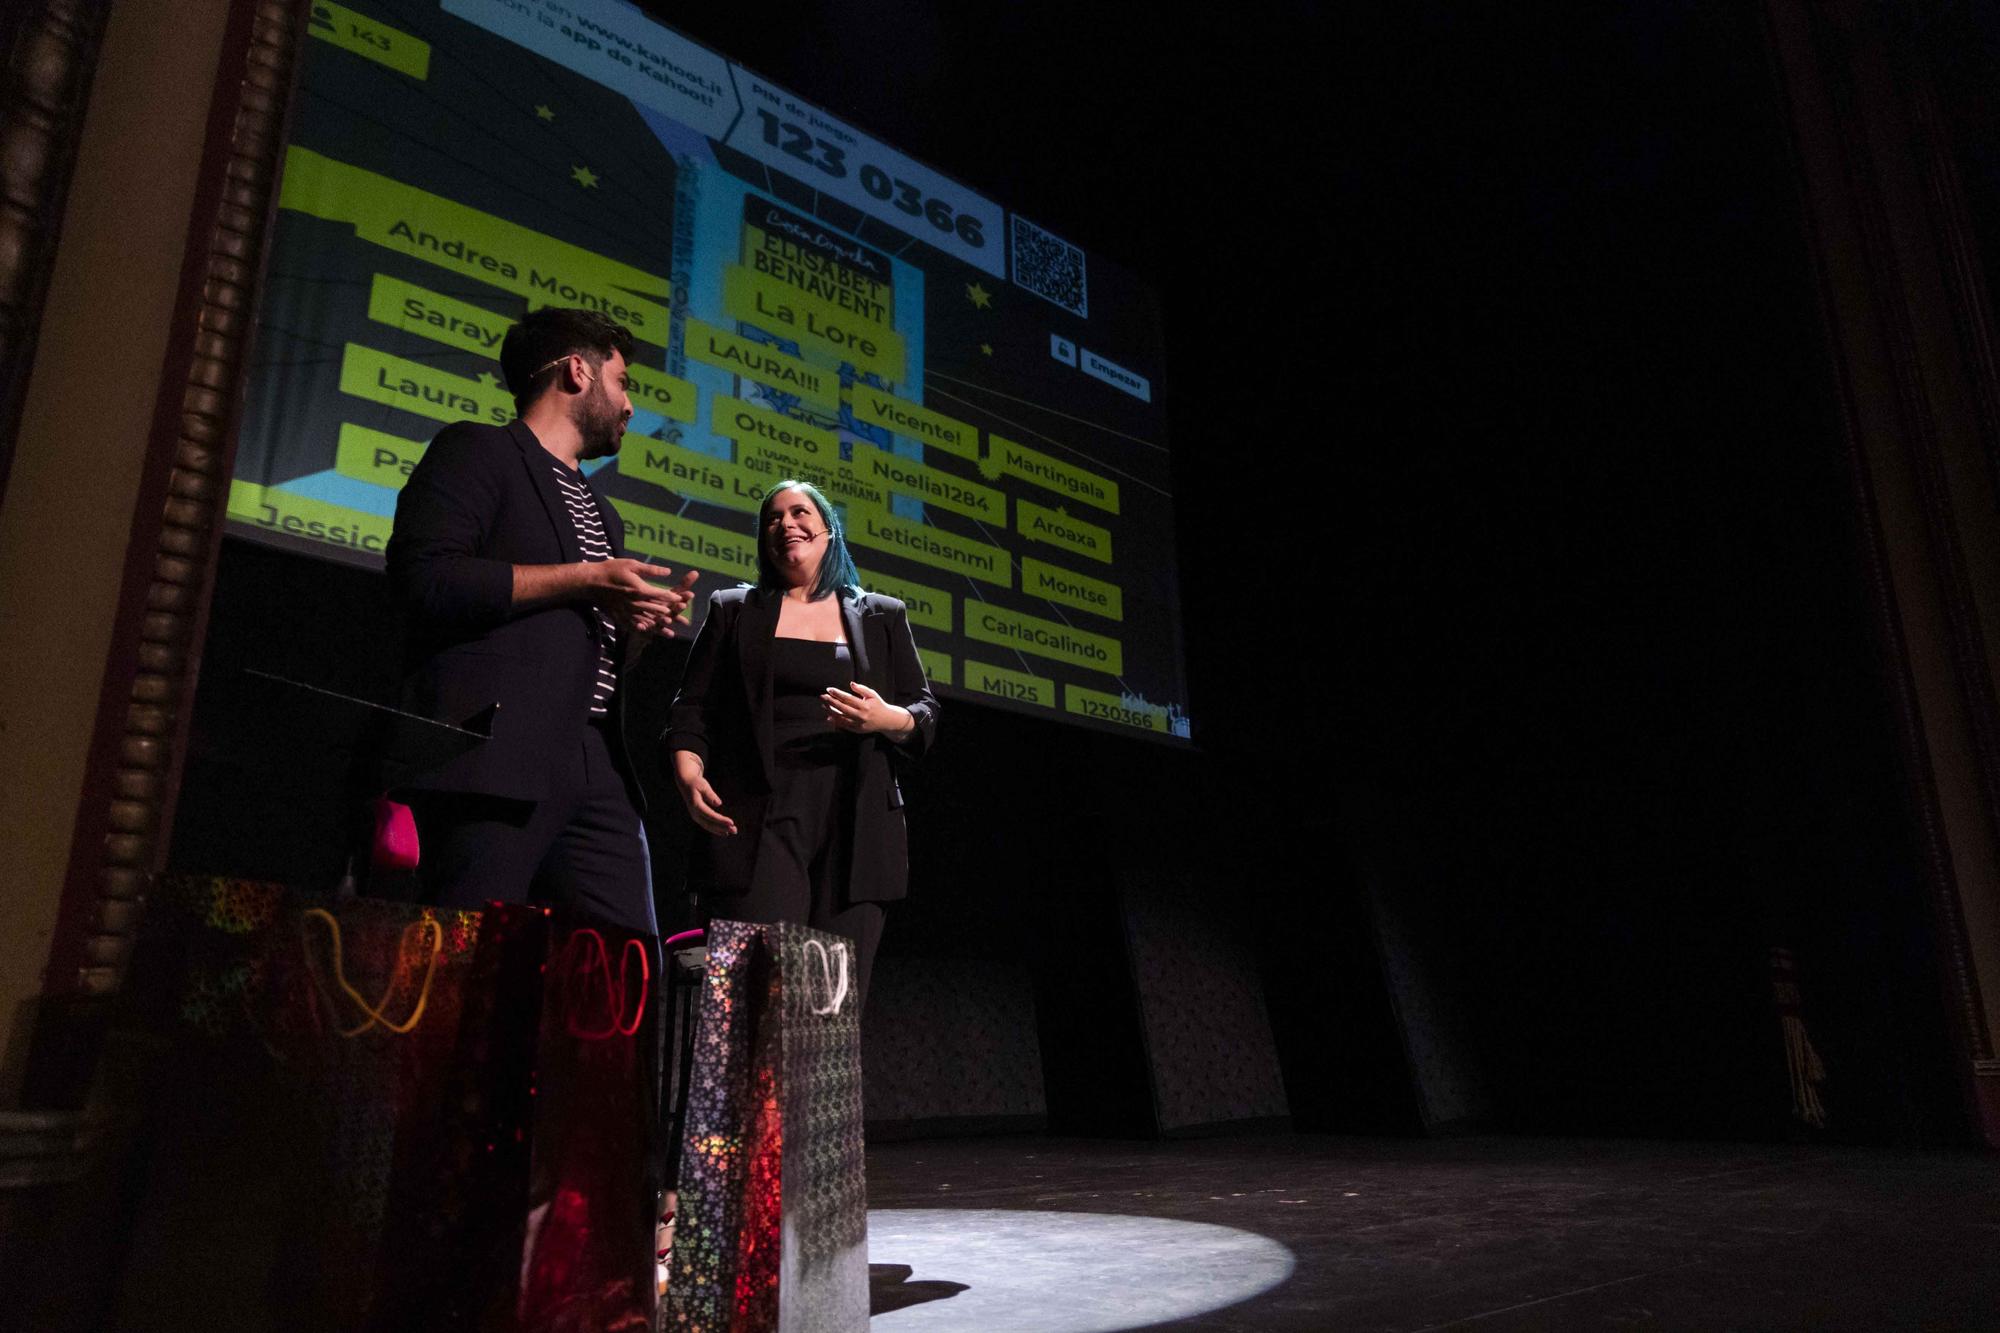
(1302, 1232)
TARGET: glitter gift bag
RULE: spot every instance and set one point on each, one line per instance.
(773, 1230)
(345, 1116)
(588, 1259)
(414, 1030)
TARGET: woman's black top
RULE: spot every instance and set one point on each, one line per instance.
(801, 671)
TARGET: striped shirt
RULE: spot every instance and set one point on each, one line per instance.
(591, 540)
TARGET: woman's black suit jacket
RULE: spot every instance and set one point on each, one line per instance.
(723, 714)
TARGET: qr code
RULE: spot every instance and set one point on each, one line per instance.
(1050, 267)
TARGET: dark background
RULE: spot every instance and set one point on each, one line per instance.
(1539, 682)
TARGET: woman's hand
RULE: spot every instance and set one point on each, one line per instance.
(703, 805)
(864, 711)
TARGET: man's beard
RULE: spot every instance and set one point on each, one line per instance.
(601, 426)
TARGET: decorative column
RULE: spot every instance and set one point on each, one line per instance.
(110, 523)
(134, 768)
(51, 54)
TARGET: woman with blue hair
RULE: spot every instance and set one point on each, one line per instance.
(802, 699)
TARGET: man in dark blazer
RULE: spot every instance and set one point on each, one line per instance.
(511, 569)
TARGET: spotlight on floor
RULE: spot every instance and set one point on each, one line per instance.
(998, 1270)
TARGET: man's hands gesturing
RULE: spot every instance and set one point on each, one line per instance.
(637, 595)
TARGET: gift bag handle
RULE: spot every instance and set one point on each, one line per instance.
(614, 986)
(427, 925)
(838, 990)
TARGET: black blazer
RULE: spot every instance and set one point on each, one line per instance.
(723, 714)
(482, 500)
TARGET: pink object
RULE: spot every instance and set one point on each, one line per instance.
(577, 969)
(686, 937)
(395, 836)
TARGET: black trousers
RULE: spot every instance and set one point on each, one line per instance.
(581, 847)
(802, 862)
